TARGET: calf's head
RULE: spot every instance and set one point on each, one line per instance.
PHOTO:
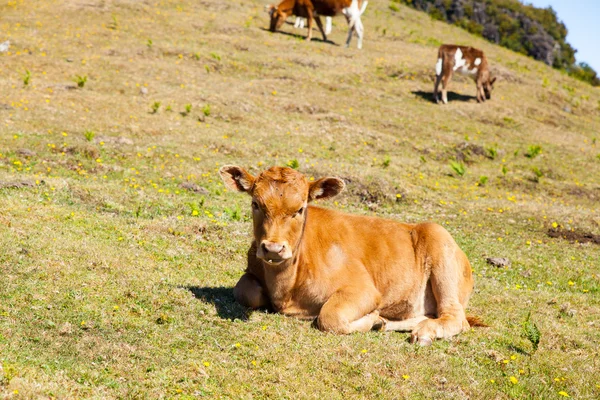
(279, 200)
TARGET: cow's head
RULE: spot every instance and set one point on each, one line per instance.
(488, 86)
(278, 17)
(279, 200)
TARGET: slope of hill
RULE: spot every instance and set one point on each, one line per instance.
(119, 245)
(523, 28)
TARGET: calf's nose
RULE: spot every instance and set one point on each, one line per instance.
(271, 247)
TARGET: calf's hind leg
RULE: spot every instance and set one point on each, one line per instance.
(436, 92)
(451, 283)
(320, 25)
(445, 82)
(350, 310)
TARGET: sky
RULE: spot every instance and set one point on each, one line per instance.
(582, 18)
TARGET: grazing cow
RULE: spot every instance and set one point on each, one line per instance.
(352, 273)
(310, 9)
(466, 60)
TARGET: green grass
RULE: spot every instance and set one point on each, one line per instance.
(118, 250)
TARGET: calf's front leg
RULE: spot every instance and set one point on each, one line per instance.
(350, 310)
(250, 293)
(480, 93)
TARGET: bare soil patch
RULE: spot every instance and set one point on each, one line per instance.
(574, 236)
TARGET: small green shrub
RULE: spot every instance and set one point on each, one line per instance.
(533, 151)
(155, 107)
(538, 174)
(206, 110)
(187, 110)
(483, 180)
(234, 213)
(545, 82)
(89, 135)
(80, 80)
(458, 167)
(492, 153)
(26, 78)
(531, 332)
(293, 164)
(386, 161)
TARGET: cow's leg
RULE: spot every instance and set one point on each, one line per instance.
(350, 310)
(250, 293)
(480, 94)
(320, 25)
(445, 83)
(360, 31)
(364, 324)
(405, 325)
(327, 25)
(352, 14)
(450, 284)
(297, 22)
(350, 32)
(436, 93)
(309, 22)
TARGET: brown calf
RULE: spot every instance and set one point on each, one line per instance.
(310, 9)
(352, 273)
(466, 60)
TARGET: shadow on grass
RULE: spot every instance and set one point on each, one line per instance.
(222, 298)
(452, 96)
(298, 36)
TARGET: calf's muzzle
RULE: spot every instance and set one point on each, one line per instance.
(273, 252)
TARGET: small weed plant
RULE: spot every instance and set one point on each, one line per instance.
(80, 80)
(458, 167)
(533, 151)
(89, 135)
(293, 164)
(155, 107)
(26, 78)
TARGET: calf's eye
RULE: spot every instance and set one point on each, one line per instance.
(254, 205)
(299, 212)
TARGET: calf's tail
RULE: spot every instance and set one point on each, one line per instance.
(476, 322)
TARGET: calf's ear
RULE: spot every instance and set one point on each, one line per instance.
(325, 188)
(236, 178)
(492, 81)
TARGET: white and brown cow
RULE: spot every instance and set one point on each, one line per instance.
(466, 60)
(313, 9)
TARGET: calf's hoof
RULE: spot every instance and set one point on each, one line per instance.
(422, 341)
(380, 324)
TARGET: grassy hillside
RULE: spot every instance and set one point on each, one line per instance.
(119, 246)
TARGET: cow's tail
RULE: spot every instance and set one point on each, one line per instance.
(476, 322)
